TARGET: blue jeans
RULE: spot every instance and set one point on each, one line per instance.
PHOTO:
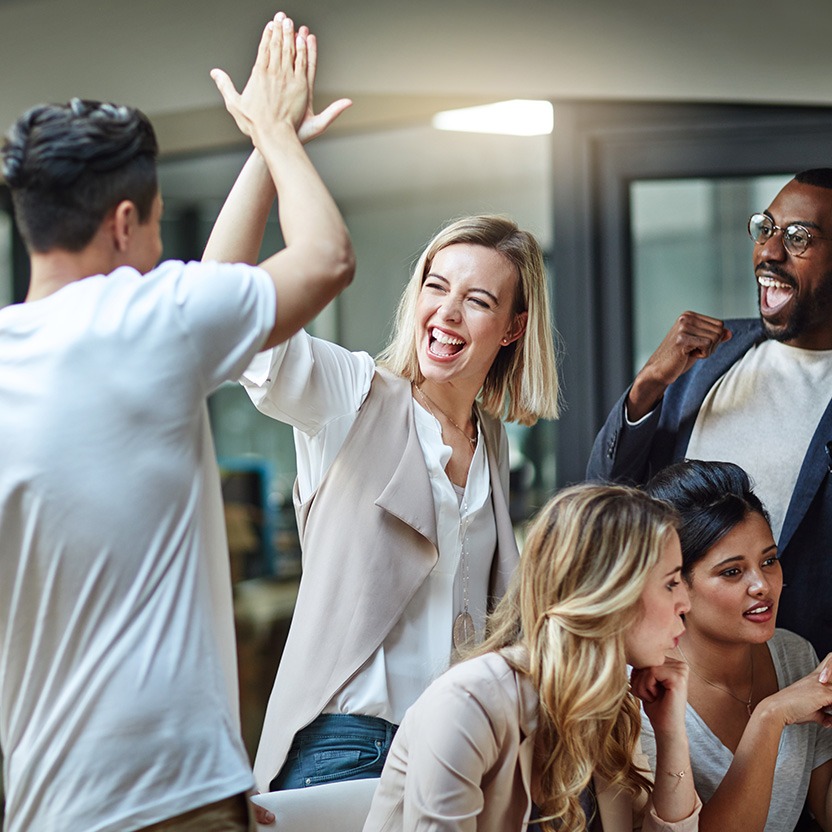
(336, 747)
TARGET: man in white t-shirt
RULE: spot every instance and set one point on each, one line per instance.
(757, 393)
(117, 668)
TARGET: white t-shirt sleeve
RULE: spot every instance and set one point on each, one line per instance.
(307, 382)
(226, 310)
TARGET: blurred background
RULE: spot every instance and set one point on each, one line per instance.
(670, 123)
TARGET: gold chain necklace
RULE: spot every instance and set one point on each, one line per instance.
(428, 401)
(746, 702)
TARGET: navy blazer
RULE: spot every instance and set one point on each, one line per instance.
(627, 453)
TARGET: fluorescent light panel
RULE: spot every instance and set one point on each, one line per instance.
(518, 117)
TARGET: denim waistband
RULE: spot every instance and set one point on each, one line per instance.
(326, 724)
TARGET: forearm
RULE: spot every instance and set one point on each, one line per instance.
(238, 232)
(621, 451)
(645, 393)
(318, 260)
(741, 802)
(674, 795)
(307, 211)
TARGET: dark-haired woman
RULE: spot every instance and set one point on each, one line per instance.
(759, 736)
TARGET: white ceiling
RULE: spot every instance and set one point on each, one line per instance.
(401, 60)
(156, 54)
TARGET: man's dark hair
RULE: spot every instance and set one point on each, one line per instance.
(68, 165)
(711, 497)
(819, 177)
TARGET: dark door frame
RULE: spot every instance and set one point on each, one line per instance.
(599, 149)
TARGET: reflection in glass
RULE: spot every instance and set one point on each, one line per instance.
(690, 250)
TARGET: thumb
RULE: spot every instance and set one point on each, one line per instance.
(225, 85)
(334, 110)
(232, 100)
(313, 126)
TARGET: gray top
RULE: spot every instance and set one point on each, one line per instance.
(802, 747)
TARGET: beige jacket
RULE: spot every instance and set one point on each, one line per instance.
(368, 536)
(462, 761)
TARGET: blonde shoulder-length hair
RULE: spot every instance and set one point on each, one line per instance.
(572, 600)
(522, 384)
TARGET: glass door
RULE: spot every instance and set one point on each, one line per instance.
(690, 250)
(650, 210)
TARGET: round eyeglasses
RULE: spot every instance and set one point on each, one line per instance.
(796, 237)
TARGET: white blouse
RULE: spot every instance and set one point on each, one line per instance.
(318, 388)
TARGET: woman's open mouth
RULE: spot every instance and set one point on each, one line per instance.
(443, 344)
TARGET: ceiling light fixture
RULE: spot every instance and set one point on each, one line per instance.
(518, 117)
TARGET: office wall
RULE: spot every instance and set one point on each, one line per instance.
(157, 53)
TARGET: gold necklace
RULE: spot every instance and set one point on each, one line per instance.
(746, 702)
(428, 401)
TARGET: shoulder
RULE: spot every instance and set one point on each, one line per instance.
(793, 655)
(227, 279)
(180, 280)
(487, 680)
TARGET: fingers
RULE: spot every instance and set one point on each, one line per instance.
(286, 45)
(698, 334)
(262, 816)
(301, 58)
(262, 60)
(825, 668)
(311, 59)
(644, 687)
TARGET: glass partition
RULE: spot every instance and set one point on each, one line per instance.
(395, 188)
(691, 250)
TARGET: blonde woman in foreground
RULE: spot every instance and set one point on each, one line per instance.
(542, 724)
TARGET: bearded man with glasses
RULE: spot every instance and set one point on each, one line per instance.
(755, 392)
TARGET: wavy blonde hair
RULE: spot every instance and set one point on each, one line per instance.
(572, 600)
(522, 384)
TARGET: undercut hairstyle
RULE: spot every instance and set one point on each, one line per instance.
(522, 384)
(711, 497)
(572, 600)
(68, 165)
(819, 177)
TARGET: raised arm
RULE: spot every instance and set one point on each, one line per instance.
(691, 338)
(317, 262)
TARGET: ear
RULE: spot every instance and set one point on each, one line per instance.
(517, 328)
(125, 217)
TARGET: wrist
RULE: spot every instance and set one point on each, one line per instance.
(643, 397)
(768, 713)
(672, 738)
(273, 136)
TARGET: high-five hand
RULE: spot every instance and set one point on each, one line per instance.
(278, 90)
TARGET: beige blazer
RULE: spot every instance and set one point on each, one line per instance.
(368, 536)
(462, 761)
